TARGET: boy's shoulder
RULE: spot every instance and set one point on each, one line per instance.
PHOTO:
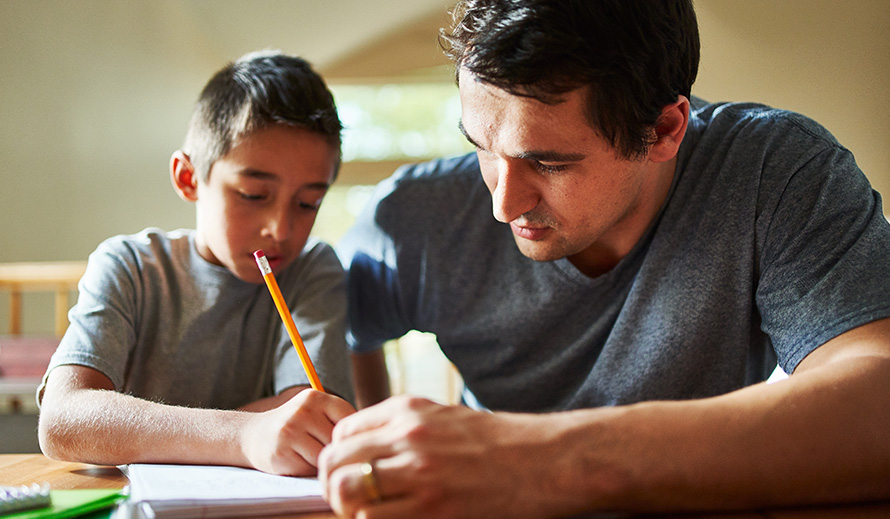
(148, 237)
(150, 242)
(143, 255)
(317, 257)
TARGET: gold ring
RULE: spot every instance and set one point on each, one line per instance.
(369, 478)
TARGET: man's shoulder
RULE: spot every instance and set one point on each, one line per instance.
(444, 167)
(430, 189)
(421, 205)
(432, 176)
(756, 121)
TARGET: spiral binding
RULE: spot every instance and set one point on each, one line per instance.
(25, 497)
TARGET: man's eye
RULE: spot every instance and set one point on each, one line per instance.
(545, 168)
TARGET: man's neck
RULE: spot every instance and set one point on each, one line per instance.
(603, 255)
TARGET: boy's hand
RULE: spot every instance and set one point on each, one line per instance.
(287, 439)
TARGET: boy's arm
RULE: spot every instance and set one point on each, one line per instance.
(82, 418)
(271, 402)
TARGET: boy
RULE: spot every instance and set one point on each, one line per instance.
(175, 352)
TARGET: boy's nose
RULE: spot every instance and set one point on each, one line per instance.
(278, 225)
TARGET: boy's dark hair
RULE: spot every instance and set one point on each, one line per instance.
(259, 90)
(635, 56)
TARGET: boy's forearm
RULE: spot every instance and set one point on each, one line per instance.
(109, 428)
(265, 404)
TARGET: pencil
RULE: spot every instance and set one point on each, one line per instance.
(295, 338)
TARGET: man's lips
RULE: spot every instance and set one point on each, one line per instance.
(529, 232)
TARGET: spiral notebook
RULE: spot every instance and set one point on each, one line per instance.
(180, 491)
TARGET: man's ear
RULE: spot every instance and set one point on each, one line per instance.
(183, 176)
(670, 130)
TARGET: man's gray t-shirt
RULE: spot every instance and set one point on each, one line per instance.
(770, 243)
(165, 325)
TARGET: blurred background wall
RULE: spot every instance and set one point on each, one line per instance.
(95, 94)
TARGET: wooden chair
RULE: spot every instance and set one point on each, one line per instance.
(23, 359)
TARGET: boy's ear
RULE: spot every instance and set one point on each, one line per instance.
(670, 130)
(183, 176)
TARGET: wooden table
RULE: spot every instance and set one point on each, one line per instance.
(23, 469)
(17, 469)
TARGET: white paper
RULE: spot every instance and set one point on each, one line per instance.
(218, 491)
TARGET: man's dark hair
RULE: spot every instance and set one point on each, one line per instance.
(635, 56)
(259, 90)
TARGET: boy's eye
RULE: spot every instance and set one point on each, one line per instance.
(313, 204)
(251, 196)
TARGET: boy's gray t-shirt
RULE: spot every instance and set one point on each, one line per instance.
(770, 243)
(165, 325)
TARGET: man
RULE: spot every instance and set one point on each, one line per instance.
(650, 261)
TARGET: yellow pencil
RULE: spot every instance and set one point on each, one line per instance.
(295, 338)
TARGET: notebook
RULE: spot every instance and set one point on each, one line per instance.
(180, 491)
(63, 504)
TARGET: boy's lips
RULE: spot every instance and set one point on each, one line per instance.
(274, 259)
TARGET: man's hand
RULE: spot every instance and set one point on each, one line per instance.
(433, 461)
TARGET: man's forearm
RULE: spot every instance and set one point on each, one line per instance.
(820, 436)
(370, 377)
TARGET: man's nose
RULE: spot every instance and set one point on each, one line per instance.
(513, 193)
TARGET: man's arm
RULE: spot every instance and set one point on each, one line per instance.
(82, 418)
(370, 377)
(819, 436)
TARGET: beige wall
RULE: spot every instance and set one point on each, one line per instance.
(828, 59)
(94, 95)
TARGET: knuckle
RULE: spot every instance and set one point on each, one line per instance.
(414, 403)
(416, 433)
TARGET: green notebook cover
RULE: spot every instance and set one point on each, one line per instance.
(73, 503)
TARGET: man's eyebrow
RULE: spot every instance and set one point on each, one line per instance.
(538, 156)
(460, 126)
(551, 156)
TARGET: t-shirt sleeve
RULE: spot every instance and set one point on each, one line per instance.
(823, 256)
(102, 322)
(376, 312)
